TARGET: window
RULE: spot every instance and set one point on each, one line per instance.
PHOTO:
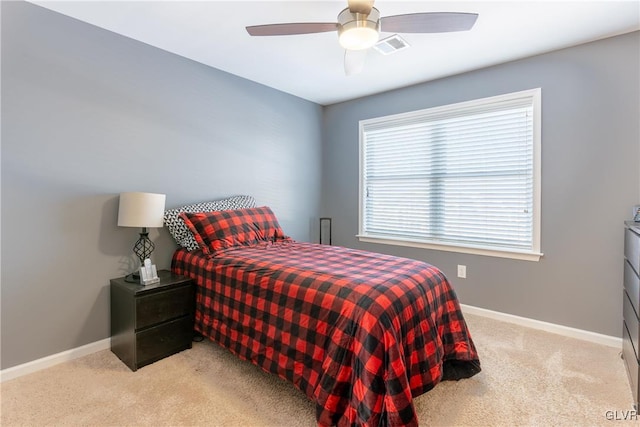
(463, 177)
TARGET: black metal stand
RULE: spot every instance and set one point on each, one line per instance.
(324, 224)
(143, 249)
(144, 246)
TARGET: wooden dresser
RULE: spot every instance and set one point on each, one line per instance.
(631, 306)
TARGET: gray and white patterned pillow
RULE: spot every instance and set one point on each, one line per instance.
(179, 230)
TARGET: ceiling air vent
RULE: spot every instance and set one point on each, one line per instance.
(391, 45)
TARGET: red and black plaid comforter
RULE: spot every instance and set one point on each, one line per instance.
(359, 333)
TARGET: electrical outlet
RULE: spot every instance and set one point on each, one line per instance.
(462, 271)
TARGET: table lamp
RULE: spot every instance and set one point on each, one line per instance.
(143, 210)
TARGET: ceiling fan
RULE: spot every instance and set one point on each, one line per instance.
(360, 24)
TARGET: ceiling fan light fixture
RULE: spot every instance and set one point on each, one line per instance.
(357, 31)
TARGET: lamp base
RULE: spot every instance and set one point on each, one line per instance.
(144, 246)
(143, 249)
(133, 278)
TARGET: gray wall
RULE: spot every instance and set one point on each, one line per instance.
(590, 181)
(87, 114)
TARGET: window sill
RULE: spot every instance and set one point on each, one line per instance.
(474, 250)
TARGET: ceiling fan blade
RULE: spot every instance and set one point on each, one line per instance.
(428, 22)
(360, 6)
(291, 28)
(354, 61)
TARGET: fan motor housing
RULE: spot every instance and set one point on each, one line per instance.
(358, 31)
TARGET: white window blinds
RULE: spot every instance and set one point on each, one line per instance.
(462, 175)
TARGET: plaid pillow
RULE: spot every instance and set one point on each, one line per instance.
(216, 231)
(179, 230)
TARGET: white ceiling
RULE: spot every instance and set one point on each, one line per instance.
(311, 66)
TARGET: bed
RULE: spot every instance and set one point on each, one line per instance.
(359, 333)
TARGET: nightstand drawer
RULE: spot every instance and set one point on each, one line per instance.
(632, 286)
(631, 322)
(632, 249)
(161, 306)
(160, 341)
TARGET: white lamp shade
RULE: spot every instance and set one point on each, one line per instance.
(141, 210)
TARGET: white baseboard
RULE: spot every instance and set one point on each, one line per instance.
(545, 326)
(54, 359)
(65, 356)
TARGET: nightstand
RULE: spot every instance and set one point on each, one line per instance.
(151, 322)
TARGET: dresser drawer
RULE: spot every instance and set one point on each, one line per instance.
(632, 286)
(160, 341)
(632, 248)
(633, 366)
(161, 306)
(631, 322)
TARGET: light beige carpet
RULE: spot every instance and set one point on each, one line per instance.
(529, 378)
